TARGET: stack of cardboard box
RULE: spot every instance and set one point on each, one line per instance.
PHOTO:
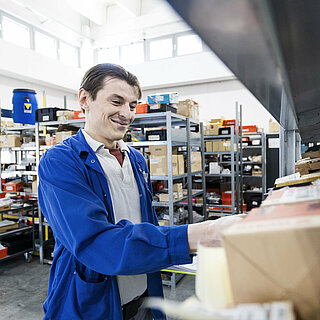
(306, 166)
(219, 146)
(159, 161)
(189, 108)
(274, 253)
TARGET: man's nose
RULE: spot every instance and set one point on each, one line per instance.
(125, 111)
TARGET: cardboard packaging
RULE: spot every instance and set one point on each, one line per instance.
(159, 165)
(62, 135)
(161, 150)
(177, 188)
(209, 146)
(212, 130)
(35, 186)
(196, 161)
(163, 98)
(311, 154)
(189, 108)
(217, 146)
(273, 126)
(214, 168)
(180, 164)
(10, 141)
(227, 146)
(13, 186)
(274, 254)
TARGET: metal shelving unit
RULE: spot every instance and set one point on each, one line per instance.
(190, 139)
(22, 229)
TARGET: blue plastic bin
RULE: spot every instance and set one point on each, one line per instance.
(24, 106)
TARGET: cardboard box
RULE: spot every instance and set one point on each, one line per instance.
(188, 108)
(217, 146)
(212, 130)
(161, 150)
(159, 165)
(10, 141)
(164, 197)
(214, 168)
(62, 135)
(180, 164)
(217, 121)
(274, 127)
(35, 186)
(196, 161)
(274, 254)
(209, 146)
(311, 154)
(164, 222)
(177, 187)
(227, 146)
(163, 98)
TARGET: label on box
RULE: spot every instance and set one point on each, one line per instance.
(9, 188)
(154, 137)
(154, 161)
(45, 118)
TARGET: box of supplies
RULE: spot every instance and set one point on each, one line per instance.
(10, 141)
(274, 253)
(163, 98)
(159, 165)
(62, 135)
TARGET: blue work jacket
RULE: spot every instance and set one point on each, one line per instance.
(90, 248)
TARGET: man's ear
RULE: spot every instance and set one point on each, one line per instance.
(84, 97)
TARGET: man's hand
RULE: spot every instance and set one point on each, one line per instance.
(209, 233)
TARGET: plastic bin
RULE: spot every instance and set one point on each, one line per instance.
(24, 106)
(47, 114)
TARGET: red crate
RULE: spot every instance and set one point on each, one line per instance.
(142, 108)
(3, 252)
(79, 114)
(231, 122)
(246, 129)
(13, 187)
(245, 139)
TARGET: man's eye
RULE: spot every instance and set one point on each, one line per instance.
(116, 101)
(133, 107)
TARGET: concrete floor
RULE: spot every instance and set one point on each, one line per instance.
(23, 289)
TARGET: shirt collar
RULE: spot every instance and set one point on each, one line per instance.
(96, 145)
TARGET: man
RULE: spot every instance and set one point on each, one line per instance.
(96, 195)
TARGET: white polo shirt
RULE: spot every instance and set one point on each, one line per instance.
(126, 205)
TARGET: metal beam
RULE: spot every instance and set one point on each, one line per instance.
(309, 118)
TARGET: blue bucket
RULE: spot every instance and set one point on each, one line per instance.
(24, 106)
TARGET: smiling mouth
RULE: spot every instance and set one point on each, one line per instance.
(119, 123)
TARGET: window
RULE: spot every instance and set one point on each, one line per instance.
(132, 54)
(45, 44)
(110, 55)
(161, 49)
(15, 32)
(69, 54)
(187, 44)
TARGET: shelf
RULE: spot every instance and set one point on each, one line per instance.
(243, 162)
(252, 191)
(219, 175)
(12, 231)
(16, 254)
(219, 152)
(251, 147)
(177, 202)
(158, 119)
(23, 148)
(248, 176)
(159, 143)
(222, 136)
(13, 173)
(18, 128)
(165, 178)
(57, 123)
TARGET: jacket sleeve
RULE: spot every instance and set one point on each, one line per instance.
(78, 218)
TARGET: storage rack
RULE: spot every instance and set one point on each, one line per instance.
(234, 170)
(26, 228)
(257, 180)
(169, 120)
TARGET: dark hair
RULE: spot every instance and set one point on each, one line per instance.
(93, 80)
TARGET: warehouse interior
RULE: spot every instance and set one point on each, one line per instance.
(228, 125)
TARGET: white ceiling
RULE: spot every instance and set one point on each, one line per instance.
(105, 22)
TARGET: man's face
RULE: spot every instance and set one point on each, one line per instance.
(111, 113)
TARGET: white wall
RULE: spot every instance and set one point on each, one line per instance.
(217, 99)
(54, 97)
